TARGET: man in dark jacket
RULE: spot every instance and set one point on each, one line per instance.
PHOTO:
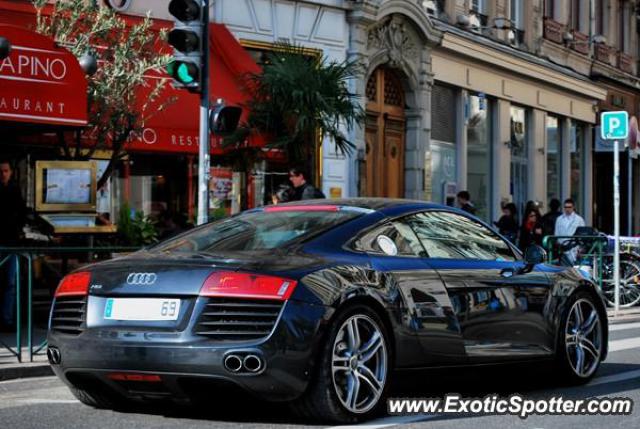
(12, 220)
(464, 202)
(301, 189)
(549, 219)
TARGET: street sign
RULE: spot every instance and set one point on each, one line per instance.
(614, 125)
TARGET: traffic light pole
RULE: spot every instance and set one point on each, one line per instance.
(203, 152)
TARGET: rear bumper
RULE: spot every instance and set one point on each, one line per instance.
(180, 358)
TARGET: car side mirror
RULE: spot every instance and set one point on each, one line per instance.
(534, 255)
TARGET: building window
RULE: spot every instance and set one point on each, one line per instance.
(577, 165)
(479, 8)
(443, 142)
(519, 157)
(574, 18)
(554, 158)
(549, 6)
(479, 153)
(624, 21)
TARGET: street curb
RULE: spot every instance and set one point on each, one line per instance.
(623, 317)
(26, 370)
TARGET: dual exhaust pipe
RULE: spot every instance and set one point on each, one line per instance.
(247, 364)
(54, 355)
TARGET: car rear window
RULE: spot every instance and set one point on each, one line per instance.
(256, 230)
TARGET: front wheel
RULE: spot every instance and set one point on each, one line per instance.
(351, 381)
(581, 340)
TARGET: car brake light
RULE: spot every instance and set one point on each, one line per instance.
(277, 208)
(246, 285)
(74, 284)
(123, 376)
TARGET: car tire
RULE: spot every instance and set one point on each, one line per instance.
(581, 340)
(327, 397)
(94, 398)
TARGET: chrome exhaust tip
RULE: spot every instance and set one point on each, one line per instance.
(54, 356)
(252, 363)
(233, 363)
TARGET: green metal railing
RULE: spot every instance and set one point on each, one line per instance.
(593, 246)
(27, 254)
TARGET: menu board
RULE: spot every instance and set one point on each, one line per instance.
(68, 186)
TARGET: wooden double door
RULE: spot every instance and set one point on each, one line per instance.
(384, 136)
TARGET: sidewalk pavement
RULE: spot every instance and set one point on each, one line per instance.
(624, 315)
(10, 368)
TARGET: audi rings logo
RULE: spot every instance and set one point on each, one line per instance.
(141, 279)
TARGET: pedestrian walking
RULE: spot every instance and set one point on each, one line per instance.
(12, 220)
(550, 217)
(531, 229)
(508, 222)
(302, 190)
(566, 225)
(464, 202)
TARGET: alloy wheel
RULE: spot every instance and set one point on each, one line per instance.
(629, 284)
(359, 363)
(583, 338)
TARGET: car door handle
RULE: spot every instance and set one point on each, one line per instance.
(507, 273)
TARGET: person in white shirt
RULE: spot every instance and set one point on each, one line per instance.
(566, 225)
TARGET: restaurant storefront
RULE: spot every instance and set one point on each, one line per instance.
(41, 98)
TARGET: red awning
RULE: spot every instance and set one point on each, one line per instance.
(175, 129)
(40, 82)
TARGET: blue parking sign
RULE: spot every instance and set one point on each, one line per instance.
(614, 125)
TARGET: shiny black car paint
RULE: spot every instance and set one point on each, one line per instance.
(438, 312)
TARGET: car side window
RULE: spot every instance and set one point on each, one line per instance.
(453, 236)
(391, 239)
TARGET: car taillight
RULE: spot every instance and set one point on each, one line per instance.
(302, 208)
(122, 376)
(74, 284)
(226, 283)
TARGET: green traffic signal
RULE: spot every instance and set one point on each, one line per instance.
(184, 72)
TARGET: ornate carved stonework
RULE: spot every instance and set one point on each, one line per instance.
(397, 38)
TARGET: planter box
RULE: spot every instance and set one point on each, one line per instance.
(580, 42)
(601, 52)
(625, 62)
(553, 30)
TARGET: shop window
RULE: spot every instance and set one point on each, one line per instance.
(578, 166)
(554, 158)
(479, 153)
(519, 157)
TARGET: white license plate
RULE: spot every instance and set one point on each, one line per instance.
(142, 309)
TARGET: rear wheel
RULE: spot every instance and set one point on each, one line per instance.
(581, 340)
(351, 381)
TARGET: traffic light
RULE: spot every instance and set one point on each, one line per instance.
(187, 40)
(223, 120)
(5, 47)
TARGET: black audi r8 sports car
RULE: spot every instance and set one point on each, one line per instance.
(318, 303)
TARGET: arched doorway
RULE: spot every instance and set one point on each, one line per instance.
(385, 135)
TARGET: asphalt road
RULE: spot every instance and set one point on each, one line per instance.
(46, 402)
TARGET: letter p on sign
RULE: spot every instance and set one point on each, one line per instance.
(614, 125)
